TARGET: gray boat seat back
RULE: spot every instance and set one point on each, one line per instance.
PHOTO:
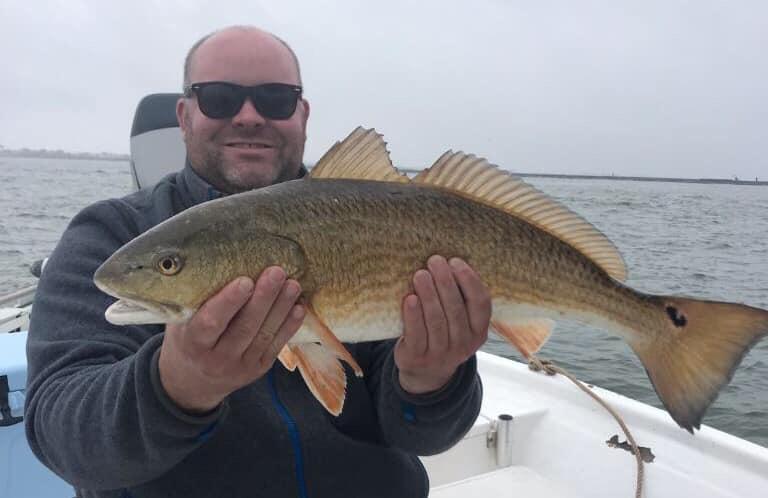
(157, 147)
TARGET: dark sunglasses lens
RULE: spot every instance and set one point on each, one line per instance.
(276, 101)
(219, 100)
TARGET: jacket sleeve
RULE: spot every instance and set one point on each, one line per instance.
(96, 413)
(423, 424)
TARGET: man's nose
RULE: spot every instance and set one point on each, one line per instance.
(248, 115)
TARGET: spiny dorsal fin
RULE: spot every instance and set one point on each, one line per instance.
(362, 155)
(476, 178)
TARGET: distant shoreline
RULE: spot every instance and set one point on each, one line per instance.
(60, 154)
(709, 181)
(108, 156)
(717, 181)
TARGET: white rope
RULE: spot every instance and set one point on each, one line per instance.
(549, 368)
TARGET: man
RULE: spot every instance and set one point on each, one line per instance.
(203, 409)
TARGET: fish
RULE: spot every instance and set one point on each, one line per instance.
(354, 231)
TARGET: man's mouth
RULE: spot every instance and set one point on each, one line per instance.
(249, 145)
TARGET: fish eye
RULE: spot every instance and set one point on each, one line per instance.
(169, 264)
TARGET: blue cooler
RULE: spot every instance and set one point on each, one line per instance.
(21, 473)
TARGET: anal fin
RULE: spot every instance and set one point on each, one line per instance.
(526, 336)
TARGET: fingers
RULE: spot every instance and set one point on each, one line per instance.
(278, 314)
(190, 372)
(444, 323)
(414, 330)
(262, 315)
(232, 340)
(204, 329)
(259, 357)
(476, 296)
(435, 320)
(454, 307)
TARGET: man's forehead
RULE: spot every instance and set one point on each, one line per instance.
(243, 56)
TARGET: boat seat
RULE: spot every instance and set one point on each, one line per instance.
(509, 481)
(157, 147)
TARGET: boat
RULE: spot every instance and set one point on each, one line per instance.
(537, 435)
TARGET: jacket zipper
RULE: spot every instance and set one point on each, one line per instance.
(293, 432)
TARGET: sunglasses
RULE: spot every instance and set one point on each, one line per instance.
(222, 100)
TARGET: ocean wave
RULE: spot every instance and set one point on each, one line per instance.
(703, 276)
(721, 245)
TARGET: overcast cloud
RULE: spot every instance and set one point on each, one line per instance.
(672, 88)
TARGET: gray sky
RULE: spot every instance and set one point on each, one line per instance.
(672, 88)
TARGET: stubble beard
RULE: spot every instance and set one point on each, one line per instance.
(209, 162)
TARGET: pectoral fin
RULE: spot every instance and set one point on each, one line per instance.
(323, 373)
(526, 336)
(328, 339)
(319, 364)
(288, 358)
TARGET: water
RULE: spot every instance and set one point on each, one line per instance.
(708, 241)
(39, 198)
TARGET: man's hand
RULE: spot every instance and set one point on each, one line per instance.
(445, 323)
(231, 341)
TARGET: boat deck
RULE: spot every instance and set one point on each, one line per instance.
(516, 480)
(558, 446)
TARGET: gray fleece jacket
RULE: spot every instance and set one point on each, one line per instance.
(97, 414)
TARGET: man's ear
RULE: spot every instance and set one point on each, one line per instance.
(305, 105)
(180, 107)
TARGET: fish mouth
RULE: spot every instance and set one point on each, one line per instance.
(126, 311)
(129, 310)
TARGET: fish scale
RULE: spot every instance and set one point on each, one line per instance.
(394, 228)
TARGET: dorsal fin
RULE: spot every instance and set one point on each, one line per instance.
(362, 155)
(476, 178)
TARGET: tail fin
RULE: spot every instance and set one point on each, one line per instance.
(697, 351)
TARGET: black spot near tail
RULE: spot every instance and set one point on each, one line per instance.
(677, 317)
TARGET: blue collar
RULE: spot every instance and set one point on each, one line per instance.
(198, 189)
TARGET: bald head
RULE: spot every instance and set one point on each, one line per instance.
(248, 149)
(250, 36)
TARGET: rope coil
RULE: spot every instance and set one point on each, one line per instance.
(549, 368)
